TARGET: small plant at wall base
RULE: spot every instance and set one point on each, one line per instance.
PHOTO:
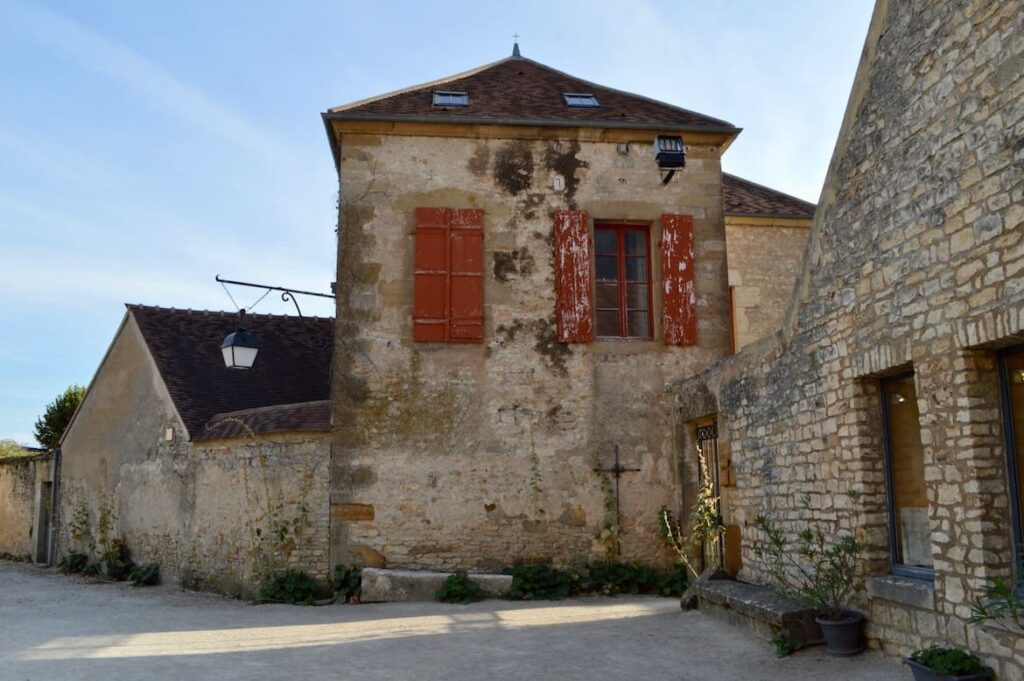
(291, 586)
(459, 588)
(347, 582)
(784, 645)
(819, 574)
(1000, 604)
(72, 563)
(145, 575)
(942, 663)
(540, 583)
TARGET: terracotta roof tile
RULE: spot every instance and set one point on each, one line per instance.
(519, 90)
(292, 365)
(305, 416)
(743, 197)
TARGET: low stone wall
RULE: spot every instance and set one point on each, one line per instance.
(215, 515)
(18, 503)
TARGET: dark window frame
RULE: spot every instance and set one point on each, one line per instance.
(448, 93)
(1012, 474)
(620, 229)
(896, 566)
(576, 100)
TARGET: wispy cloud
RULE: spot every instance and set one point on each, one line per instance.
(95, 51)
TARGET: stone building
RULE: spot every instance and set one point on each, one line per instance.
(520, 284)
(890, 398)
(214, 473)
(26, 493)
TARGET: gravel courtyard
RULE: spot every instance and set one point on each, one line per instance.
(55, 627)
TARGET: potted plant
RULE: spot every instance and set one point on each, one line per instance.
(819, 574)
(946, 663)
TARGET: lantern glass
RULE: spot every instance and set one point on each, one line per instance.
(239, 350)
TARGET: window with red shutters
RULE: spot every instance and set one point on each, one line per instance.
(573, 283)
(680, 297)
(622, 262)
(448, 287)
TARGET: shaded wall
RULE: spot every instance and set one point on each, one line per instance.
(914, 263)
(23, 494)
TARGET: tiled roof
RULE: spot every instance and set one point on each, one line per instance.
(743, 197)
(292, 365)
(521, 91)
(306, 416)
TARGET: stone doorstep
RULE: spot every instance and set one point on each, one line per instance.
(759, 609)
(387, 586)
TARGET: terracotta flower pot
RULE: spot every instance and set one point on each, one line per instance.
(843, 637)
(923, 673)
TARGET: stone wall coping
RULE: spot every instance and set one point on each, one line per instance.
(12, 460)
(918, 593)
(759, 602)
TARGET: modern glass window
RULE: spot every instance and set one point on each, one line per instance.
(1012, 381)
(909, 522)
(623, 267)
(448, 98)
(580, 100)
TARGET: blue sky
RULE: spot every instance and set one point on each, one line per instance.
(146, 147)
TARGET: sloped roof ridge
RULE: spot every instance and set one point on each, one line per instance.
(440, 81)
(223, 313)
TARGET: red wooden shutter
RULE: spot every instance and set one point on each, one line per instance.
(573, 286)
(430, 276)
(466, 311)
(448, 295)
(680, 298)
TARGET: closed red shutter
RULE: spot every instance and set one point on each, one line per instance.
(680, 298)
(448, 295)
(573, 286)
(466, 232)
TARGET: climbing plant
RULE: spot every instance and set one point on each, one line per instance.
(705, 521)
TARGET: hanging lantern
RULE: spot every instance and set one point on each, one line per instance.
(239, 349)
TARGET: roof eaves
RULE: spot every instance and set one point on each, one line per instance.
(776, 216)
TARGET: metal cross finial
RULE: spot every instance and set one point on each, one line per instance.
(617, 470)
(515, 45)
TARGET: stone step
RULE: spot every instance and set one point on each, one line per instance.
(384, 586)
(759, 609)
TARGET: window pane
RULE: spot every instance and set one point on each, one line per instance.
(608, 323)
(636, 269)
(1015, 384)
(607, 267)
(636, 243)
(604, 240)
(638, 327)
(608, 295)
(910, 501)
(636, 297)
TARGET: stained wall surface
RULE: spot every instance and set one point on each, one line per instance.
(480, 455)
(19, 504)
(914, 264)
(214, 514)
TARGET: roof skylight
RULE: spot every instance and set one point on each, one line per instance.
(450, 98)
(582, 100)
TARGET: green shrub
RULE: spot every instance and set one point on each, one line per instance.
(73, 563)
(949, 661)
(615, 578)
(116, 561)
(1000, 603)
(674, 582)
(347, 582)
(784, 645)
(145, 575)
(459, 588)
(291, 586)
(540, 582)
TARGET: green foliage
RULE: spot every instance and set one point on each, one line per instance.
(817, 573)
(784, 645)
(290, 586)
(999, 604)
(705, 521)
(674, 582)
(949, 661)
(9, 449)
(347, 582)
(73, 563)
(540, 583)
(145, 575)
(459, 588)
(51, 425)
(610, 579)
(116, 560)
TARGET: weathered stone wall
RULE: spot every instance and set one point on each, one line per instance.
(476, 456)
(213, 513)
(914, 261)
(764, 260)
(18, 504)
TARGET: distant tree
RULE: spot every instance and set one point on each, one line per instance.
(10, 449)
(51, 425)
